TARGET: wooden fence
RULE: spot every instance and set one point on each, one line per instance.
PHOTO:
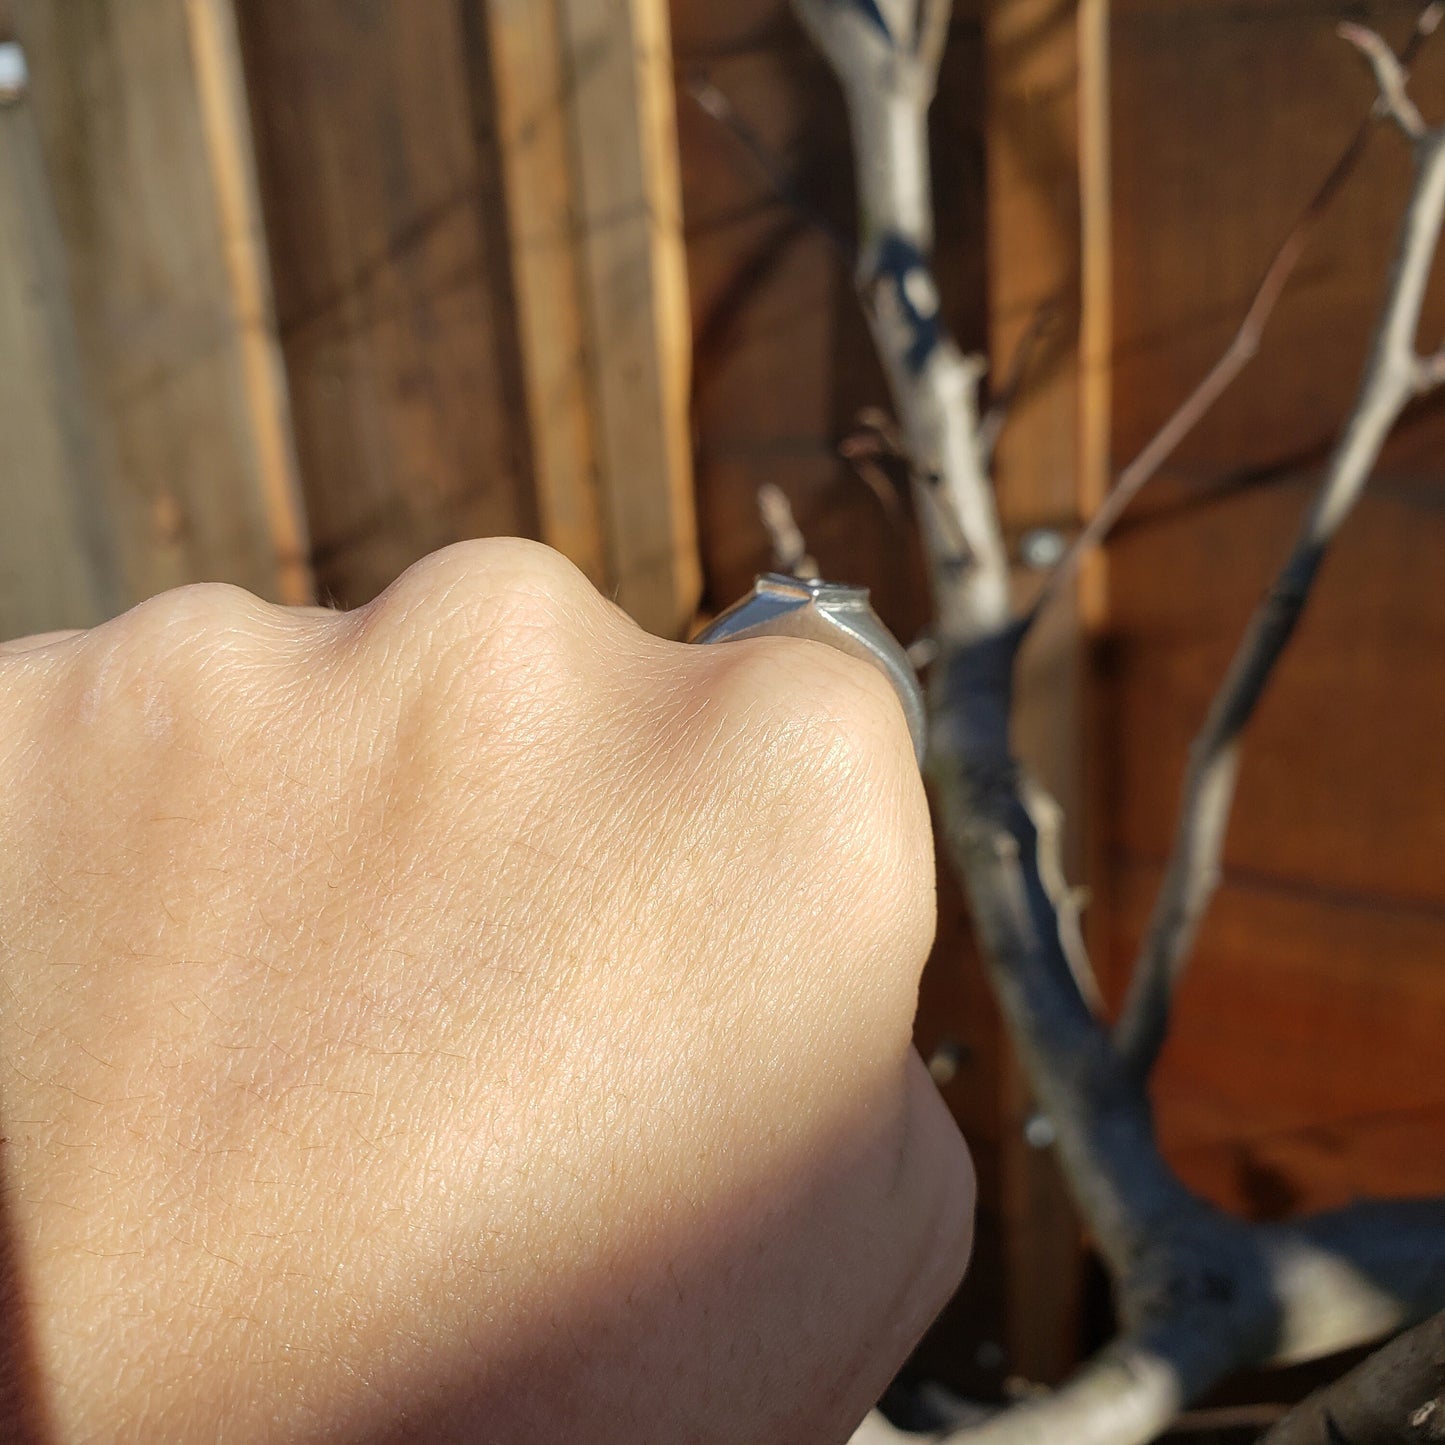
(295, 291)
(306, 290)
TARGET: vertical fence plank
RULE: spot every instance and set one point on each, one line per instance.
(619, 68)
(476, 239)
(455, 356)
(57, 565)
(535, 128)
(376, 146)
(226, 126)
(1048, 237)
(199, 479)
(588, 139)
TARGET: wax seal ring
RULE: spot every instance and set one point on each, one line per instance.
(828, 612)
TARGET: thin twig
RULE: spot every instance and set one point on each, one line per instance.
(715, 102)
(874, 457)
(1041, 324)
(1432, 370)
(1243, 346)
(1200, 1294)
(790, 548)
(1393, 376)
(1390, 76)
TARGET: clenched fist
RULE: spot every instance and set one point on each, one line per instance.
(465, 1018)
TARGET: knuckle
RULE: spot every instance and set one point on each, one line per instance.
(470, 584)
(833, 716)
(190, 672)
(504, 593)
(198, 610)
(493, 638)
(832, 737)
(193, 637)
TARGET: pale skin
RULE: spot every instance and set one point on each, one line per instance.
(465, 1018)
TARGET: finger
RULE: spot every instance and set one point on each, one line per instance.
(38, 640)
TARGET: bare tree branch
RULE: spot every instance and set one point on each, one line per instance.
(1393, 376)
(999, 823)
(877, 1429)
(1432, 370)
(888, 71)
(716, 103)
(1353, 1275)
(1126, 1393)
(1332, 1282)
(875, 456)
(1243, 346)
(790, 547)
(932, 35)
(1390, 76)
(1199, 1294)
(1040, 324)
(935, 1412)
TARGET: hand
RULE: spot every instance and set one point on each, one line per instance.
(463, 1018)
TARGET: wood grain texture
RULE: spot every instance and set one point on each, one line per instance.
(1303, 1069)
(58, 566)
(588, 133)
(1238, 116)
(1034, 249)
(619, 69)
(1303, 1065)
(534, 125)
(1048, 239)
(198, 486)
(1341, 787)
(386, 219)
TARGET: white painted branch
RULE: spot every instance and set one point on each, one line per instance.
(944, 1410)
(999, 824)
(876, 1429)
(888, 70)
(790, 547)
(1390, 76)
(1354, 1275)
(1394, 375)
(1333, 1282)
(1200, 1294)
(933, 18)
(1126, 1396)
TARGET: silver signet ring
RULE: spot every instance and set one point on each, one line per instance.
(829, 612)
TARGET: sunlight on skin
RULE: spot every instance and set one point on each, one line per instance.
(465, 1014)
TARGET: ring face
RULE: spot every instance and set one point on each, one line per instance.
(832, 613)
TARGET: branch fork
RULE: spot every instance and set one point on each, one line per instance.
(1201, 1294)
(1390, 76)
